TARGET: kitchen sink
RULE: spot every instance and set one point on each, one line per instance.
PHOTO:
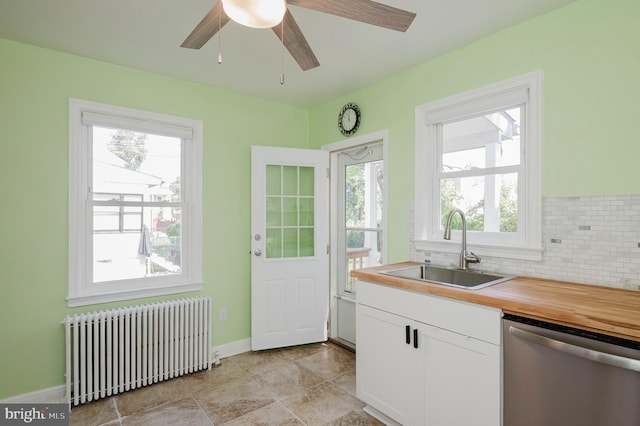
(453, 277)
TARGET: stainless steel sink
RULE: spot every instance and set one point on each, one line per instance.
(471, 280)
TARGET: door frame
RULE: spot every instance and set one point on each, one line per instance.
(334, 149)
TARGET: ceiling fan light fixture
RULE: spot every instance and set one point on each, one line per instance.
(255, 13)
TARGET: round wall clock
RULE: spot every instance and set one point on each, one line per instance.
(349, 119)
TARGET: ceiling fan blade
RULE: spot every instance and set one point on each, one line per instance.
(296, 43)
(367, 11)
(207, 28)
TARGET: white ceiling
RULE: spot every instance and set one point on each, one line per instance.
(146, 35)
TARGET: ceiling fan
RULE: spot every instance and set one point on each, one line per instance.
(248, 13)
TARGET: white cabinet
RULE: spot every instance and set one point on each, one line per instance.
(426, 360)
(389, 363)
(461, 378)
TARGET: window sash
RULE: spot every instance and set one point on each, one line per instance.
(89, 120)
(440, 174)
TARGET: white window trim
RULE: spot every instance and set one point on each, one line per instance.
(426, 227)
(82, 291)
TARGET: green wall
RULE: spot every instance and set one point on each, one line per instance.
(587, 50)
(35, 86)
(590, 54)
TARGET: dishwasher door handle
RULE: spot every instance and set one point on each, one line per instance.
(590, 354)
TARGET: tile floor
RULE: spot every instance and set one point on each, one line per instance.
(304, 385)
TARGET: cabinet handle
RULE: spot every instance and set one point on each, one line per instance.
(407, 331)
(415, 338)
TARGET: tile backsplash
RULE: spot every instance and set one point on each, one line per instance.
(590, 240)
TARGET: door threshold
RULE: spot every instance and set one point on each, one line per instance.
(351, 347)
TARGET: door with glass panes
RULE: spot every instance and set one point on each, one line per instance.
(359, 187)
(289, 247)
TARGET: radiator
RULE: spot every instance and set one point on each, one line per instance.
(113, 351)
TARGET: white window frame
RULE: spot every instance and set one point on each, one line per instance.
(82, 289)
(526, 244)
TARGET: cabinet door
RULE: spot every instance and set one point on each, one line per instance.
(384, 369)
(461, 380)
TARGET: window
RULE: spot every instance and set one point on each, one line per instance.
(135, 204)
(480, 152)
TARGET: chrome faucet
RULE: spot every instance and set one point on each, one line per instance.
(466, 257)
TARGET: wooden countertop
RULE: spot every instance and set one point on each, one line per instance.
(605, 310)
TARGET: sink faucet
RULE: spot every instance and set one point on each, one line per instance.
(466, 257)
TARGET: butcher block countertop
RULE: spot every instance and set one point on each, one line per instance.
(615, 312)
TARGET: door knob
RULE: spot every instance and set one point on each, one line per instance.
(258, 252)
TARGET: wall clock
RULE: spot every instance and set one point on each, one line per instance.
(349, 119)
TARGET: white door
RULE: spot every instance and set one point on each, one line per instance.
(289, 244)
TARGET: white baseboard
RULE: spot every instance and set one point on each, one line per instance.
(57, 394)
(378, 415)
(234, 348)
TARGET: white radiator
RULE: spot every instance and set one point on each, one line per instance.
(113, 351)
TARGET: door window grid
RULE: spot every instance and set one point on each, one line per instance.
(290, 212)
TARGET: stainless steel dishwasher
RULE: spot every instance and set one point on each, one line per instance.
(562, 376)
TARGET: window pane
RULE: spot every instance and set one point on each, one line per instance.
(363, 194)
(273, 180)
(364, 249)
(290, 242)
(132, 221)
(290, 180)
(274, 211)
(132, 197)
(106, 218)
(274, 243)
(146, 242)
(144, 166)
(290, 213)
(354, 195)
(490, 203)
(491, 140)
(306, 211)
(307, 242)
(98, 196)
(306, 181)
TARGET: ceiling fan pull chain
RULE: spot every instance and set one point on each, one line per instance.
(282, 54)
(220, 37)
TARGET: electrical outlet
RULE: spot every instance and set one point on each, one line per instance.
(223, 314)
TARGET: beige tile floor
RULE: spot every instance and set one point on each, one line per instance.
(304, 385)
